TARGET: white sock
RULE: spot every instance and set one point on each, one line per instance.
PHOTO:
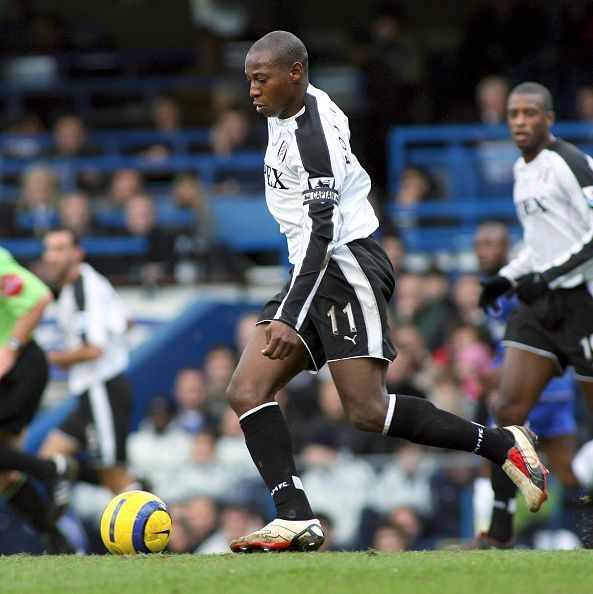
(483, 501)
(582, 465)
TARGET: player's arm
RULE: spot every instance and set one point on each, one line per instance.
(321, 174)
(86, 352)
(27, 297)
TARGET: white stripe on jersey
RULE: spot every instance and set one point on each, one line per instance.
(103, 418)
(356, 277)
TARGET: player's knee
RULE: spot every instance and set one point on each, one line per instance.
(509, 412)
(243, 394)
(367, 418)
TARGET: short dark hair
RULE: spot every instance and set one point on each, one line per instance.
(285, 48)
(76, 239)
(533, 88)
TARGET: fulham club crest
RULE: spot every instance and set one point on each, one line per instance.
(282, 151)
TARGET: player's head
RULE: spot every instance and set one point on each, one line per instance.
(530, 116)
(62, 254)
(276, 67)
(491, 244)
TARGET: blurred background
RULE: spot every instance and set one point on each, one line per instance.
(129, 121)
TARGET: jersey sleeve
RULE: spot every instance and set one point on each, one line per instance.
(320, 165)
(21, 289)
(522, 263)
(567, 268)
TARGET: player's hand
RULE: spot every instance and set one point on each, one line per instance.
(530, 287)
(7, 360)
(492, 288)
(281, 340)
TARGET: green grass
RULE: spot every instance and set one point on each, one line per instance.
(435, 572)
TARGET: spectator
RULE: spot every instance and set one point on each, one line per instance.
(244, 329)
(189, 392)
(124, 184)
(232, 133)
(157, 263)
(76, 214)
(158, 445)
(36, 206)
(219, 364)
(390, 537)
(70, 141)
(234, 521)
(584, 103)
(404, 482)
(23, 139)
(333, 479)
(201, 516)
(165, 117)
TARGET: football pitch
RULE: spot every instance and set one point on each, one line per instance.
(434, 572)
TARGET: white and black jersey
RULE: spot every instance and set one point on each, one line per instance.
(553, 195)
(317, 191)
(89, 311)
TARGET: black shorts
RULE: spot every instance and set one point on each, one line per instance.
(21, 389)
(559, 325)
(347, 317)
(100, 421)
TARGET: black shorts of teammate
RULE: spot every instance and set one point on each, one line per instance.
(347, 318)
(559, 325)
(21, 389)
(100, 421)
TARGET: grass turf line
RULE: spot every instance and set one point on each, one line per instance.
(432, 572)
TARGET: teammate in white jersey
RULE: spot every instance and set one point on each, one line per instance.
(553, 278)
(334, 308)
(94, 325)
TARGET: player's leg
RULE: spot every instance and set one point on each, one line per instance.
(360, 383)
(524, 376)
(251, 394)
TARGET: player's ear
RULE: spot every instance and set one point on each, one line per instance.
(297, 72)
(550, 118)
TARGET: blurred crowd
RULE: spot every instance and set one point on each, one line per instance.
(369, 491)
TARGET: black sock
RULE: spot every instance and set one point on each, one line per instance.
(30, 504)
(88, 473)
(270, 445)
(503, 512)
(13, 459)
(422, 422)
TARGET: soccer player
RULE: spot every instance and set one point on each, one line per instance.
(553, 278)
(23, 377)
(93, 321)
(334, 308)
(551, 418)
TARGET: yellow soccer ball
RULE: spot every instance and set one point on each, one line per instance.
(136, 522)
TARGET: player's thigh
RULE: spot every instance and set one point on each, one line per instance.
(560, 451)
(524, 376)
(360, 383)
(257, 378)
